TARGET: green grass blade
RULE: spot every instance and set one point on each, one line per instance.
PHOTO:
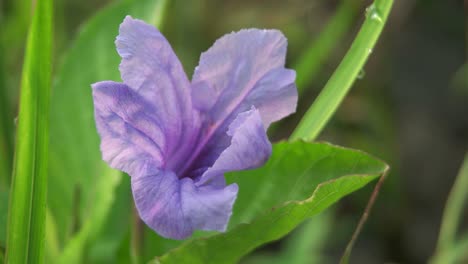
(6, 126)
(456, 254)
(3, 219)
(26, 220)
(319, 49)
(6, 117)
(342, 79)
(453, 212)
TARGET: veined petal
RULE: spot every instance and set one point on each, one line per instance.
(131, 137)
(209, 207)
(241, 70)
(275, 95)
(150, 67)
(249, 148)
(174, 208)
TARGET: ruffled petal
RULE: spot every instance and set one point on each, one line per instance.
(275, 95)
(241, 70)
(150, 67)
(249, 148)
(209, 207)
(175, 208)
(131, 137)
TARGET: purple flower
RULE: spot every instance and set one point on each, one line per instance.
(177, 138)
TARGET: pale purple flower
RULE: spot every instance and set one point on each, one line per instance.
(177, 138)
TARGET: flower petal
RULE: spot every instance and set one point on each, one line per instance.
(208, 207)
(249, 147)
(131, 138)
(243, 69)
(150, 67)
(174, 208)
(240, 70)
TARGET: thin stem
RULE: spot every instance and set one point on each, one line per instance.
(362, 221)
(342, 79)
(338, 86)
(453, 210)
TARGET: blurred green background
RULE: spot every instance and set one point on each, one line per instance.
(410, 108)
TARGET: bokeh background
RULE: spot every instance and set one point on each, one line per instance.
(409, 108)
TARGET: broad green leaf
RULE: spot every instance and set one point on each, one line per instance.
(27, 210)
(293, 173)
(299, 181)
(83, 187)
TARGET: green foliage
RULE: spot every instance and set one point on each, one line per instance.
(83, 202)
(6, 127)
(13, 33)
(3, 218)
(449, 248)
(299, 181)
(344, 76)
(156, 245)
(27, 210)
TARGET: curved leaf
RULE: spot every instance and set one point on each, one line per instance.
(299, 181)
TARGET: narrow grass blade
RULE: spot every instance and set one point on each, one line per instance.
(6, 127)
(342, 79)
(453, 212)
(456, 254)
(27, 210)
